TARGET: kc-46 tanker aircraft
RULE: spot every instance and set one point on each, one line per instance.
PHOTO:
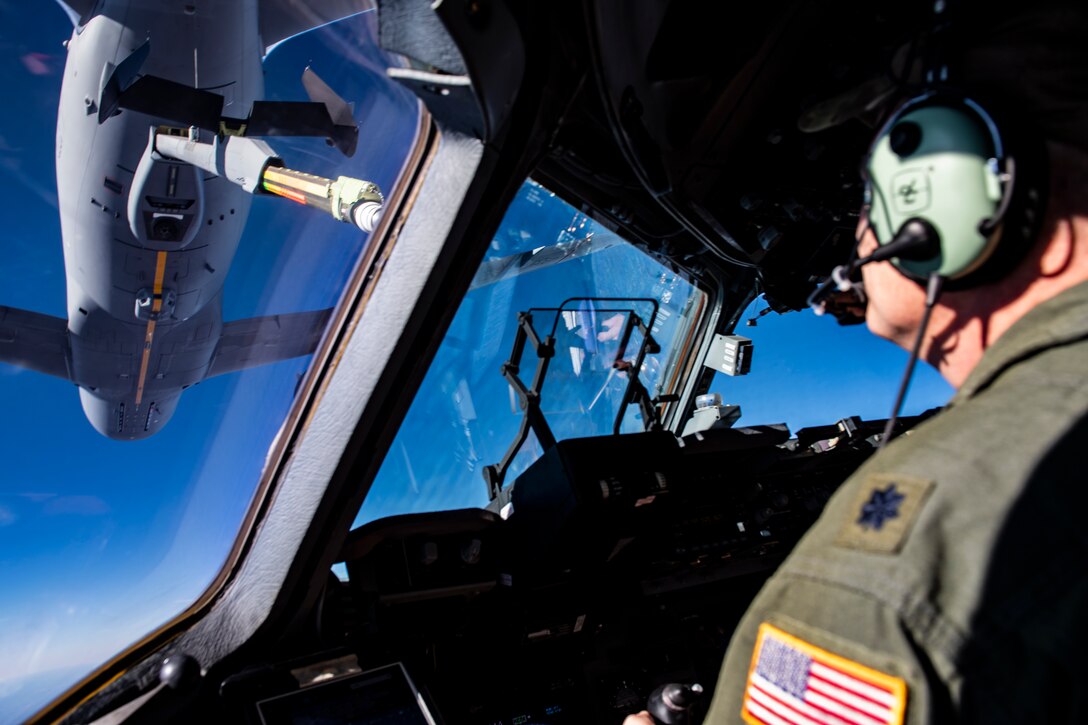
(157, 157)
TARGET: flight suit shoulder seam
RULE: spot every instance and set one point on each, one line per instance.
(928, 626)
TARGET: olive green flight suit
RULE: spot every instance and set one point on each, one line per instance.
(956, 560)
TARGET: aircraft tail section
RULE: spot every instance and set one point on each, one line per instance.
(318, 90)
(262, 340)
(330, 116)
(118, 78)
(35, 341)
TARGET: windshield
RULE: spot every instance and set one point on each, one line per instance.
(808, 370)
(102, 539)
(583, 285)
(596, 295)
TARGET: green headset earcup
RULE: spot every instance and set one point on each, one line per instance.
(936, 162)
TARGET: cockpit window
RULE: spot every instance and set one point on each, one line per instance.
(807, 370)
(551, 271)
(145, 375)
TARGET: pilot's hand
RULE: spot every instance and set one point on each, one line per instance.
(642, 718)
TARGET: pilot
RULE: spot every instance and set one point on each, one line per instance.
(946, 580)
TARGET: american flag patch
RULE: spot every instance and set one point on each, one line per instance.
(792, 682)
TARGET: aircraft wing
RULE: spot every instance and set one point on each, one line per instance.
(34, 341)
(278, 20)
(262, 340)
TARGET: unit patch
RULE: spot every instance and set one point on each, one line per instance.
(883, 512)
(792, 681)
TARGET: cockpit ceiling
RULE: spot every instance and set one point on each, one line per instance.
(726, 135)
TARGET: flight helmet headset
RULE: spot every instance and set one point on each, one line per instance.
(945, 167)
(956, 192)
(955, 200)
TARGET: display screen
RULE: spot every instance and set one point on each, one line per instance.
(385, 696)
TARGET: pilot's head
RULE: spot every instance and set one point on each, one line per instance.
(1011, 234)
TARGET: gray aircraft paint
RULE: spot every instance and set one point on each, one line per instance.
(148, 241)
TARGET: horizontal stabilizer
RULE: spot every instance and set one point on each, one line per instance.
(34, 341)
(263, 340)
(117, 79)
(340, 111)
(178, 102)
(290, 118)
(188, 106)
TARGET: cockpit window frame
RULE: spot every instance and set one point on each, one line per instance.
(126, 665)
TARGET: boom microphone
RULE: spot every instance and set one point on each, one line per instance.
(916, 240)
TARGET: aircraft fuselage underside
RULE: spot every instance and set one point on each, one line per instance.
(147, 240)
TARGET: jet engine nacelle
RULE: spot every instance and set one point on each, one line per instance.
(123, 420)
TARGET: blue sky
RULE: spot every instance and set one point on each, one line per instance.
(808, 370)
(101, 540)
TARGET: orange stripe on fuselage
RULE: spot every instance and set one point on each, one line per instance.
(149, 335)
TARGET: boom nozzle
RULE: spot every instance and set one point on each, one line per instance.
(253, 165)
(349, 200)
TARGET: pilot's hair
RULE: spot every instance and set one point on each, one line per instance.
(1033, 58)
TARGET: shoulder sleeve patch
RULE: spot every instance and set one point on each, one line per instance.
(882, 513)
(792, 681)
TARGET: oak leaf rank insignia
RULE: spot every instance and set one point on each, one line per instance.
(883, 511)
